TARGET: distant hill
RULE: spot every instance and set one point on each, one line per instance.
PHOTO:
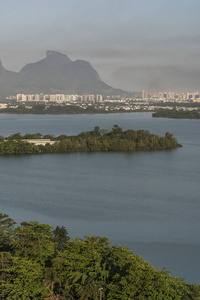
(56, 73)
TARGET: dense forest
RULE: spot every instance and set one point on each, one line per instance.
(40, 262)
(42, 109)
(90, 141)
(176, 114)
(58, 109)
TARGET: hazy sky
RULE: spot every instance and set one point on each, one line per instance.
(133, 44)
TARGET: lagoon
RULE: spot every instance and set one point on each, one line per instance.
(148, 201)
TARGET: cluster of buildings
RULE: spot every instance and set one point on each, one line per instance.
(171, 96)
(59, 98)
(145, 101)
(146, 96)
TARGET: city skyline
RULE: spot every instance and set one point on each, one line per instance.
(134, 45)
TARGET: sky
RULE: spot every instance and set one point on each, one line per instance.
(133, 44)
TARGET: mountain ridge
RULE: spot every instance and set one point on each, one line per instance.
(56, 73)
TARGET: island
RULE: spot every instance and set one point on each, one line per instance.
(176, 114)
(41, 262)
(96, 140)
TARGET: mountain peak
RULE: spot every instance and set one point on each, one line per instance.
(51, 52)
(1, 66)
(57, 56)
(56, 73)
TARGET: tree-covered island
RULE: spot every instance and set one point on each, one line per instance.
(91, 141)
(176, 114)
(40, 262)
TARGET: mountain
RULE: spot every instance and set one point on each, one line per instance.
(56, 73)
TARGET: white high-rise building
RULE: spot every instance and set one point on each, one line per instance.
(99, 98)
(145, 94)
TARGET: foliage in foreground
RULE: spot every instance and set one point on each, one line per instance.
(90, 141)
(39, 262)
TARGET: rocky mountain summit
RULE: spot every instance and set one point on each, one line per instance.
(56, 73)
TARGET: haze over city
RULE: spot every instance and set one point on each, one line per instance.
(134, 45)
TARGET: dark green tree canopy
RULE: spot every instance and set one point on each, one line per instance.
(90, 141)
(39, 262)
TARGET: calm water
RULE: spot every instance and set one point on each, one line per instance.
(148, 201)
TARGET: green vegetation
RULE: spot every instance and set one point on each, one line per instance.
(90, 141)
(67, 109)
(176, 114)
(39, 262)
(42, 109)
(57, 109)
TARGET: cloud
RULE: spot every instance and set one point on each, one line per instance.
(159, 78)
(132, 44)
